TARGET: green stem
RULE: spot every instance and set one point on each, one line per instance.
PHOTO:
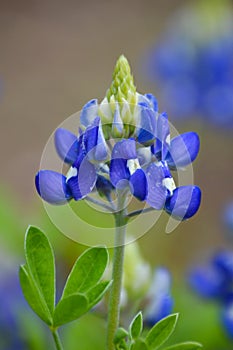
(57, 339)
(117, 273)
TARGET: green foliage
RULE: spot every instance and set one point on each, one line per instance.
(82, 290)
(136, 325)
(135, 339)
(185, 346)
(161, 331)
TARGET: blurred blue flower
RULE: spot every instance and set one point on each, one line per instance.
(215, 282)
(193, 63)
(124, 145)
(159, 299)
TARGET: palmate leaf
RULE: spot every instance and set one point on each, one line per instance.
(33, 296)
(161, 331)
(87, 271)
(189, 345)
(40, 264)
(69, 309)
(95, 294)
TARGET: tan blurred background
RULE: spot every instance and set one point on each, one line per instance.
(55, 56)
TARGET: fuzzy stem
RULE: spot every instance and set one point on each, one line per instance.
(117, 273)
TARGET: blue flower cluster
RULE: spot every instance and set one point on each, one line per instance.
(193, 63)
(215, 282)
(159, 299)
(124, 143)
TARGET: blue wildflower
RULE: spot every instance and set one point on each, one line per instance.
(215, 280)
(159, 299)
(123, 143)
(193, 63)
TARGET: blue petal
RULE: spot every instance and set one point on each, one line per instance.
(119, 173)
(153, 101)
(89, 112)
(162, 307)
(95, 144)
(52, 187)
(138, 184)
(208, 282)
(157, 193)
(82, 184)
(104, 186)
(125, 149)
(66, 144)
(224, 262)
(184, 202)
(162, 136)
(146, 127)
(227, 319)
(183, 150)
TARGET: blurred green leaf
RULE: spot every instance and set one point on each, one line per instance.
(95, 294)
(40, 262)
(121, 334)
(161, 331)
(185, 346)
(69, 309)
(136, 325)
(33, 295)
(87, 271)
(139, 344)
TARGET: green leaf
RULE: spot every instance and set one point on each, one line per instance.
(87, 271)
(136, 325)
(161, 331)
(121, 334)
(139, 344)
(189, 345)
(33, 296)
(40, 262)
(69, 309)
(95, 294)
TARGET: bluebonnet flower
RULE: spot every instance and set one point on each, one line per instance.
(193, 63)
(159, 299)
(215, 282)
(123, 143)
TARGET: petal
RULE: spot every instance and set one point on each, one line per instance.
(161, 307)
(146, 127)
(208, 282)
(83, 183)
(66, 144)
(183, 149)
(224, 262)
(95, 144)
(157, 193)
(138, 184)
(119, 173)
(117, 125)
(125, 149)
(162, 136)
(184, 202)
(153, 102)
(52, 187)
(89, 112)
(104, 186)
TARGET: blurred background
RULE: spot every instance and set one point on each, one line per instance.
(57, 55)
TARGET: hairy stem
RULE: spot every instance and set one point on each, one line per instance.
(117, 273)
